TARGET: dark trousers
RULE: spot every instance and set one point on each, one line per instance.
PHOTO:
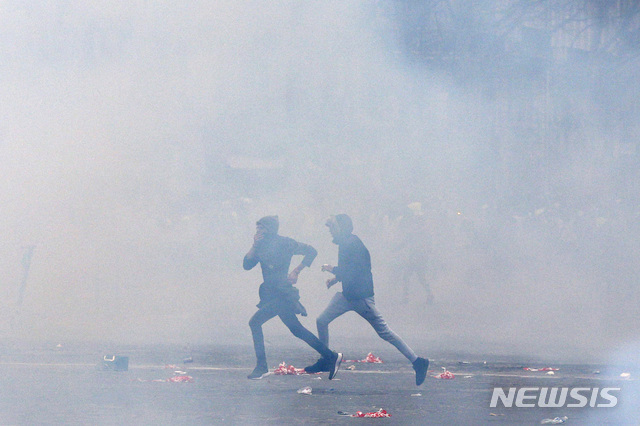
(289, 319)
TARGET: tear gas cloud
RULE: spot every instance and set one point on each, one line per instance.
(141, 141)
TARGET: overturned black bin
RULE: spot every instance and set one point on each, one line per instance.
(114, 363)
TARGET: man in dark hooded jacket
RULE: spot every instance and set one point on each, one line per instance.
(278, 296)
(354, 271)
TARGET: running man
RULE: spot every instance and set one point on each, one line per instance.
(278, 296)
(354, 271)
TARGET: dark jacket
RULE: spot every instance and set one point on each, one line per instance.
(274, 254)
(354, 268)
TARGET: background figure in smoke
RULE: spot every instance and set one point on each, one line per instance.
(354, 271)
(412, 251)
(278, 296)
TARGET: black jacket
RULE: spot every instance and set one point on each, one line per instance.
(354, 268)
(274, 254)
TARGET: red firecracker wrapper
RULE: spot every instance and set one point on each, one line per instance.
(375, 414)
(180, 379)
(284, 370)
(370, 358)
(446, 374)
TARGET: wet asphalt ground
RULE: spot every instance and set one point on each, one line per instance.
(63, 384)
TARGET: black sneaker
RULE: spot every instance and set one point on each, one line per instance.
(334, 364)
(420, 365)
(321, 365)
(258, 373)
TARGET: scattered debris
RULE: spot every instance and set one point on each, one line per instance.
(496, 415)
(374, 414)
(351, 367)
(284, 370)
(554, 421)
(446, 374)
(188, 360)
(180, 379)
(305, 390)
(550, 373)
(625, 375)
(416, 394)
(114, 363)
(370, 358)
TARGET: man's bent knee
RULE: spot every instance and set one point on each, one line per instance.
(322, 323)
(254, 323)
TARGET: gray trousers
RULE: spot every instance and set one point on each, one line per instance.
(366, 308)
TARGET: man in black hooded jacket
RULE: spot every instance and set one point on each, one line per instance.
(354, 271)
(278, 296)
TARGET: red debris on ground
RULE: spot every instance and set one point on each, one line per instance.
(180, 379)
(375, 414)
(371, 358)
(284, 370)
(446, 374)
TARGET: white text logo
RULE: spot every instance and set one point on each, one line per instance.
(554, 397)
